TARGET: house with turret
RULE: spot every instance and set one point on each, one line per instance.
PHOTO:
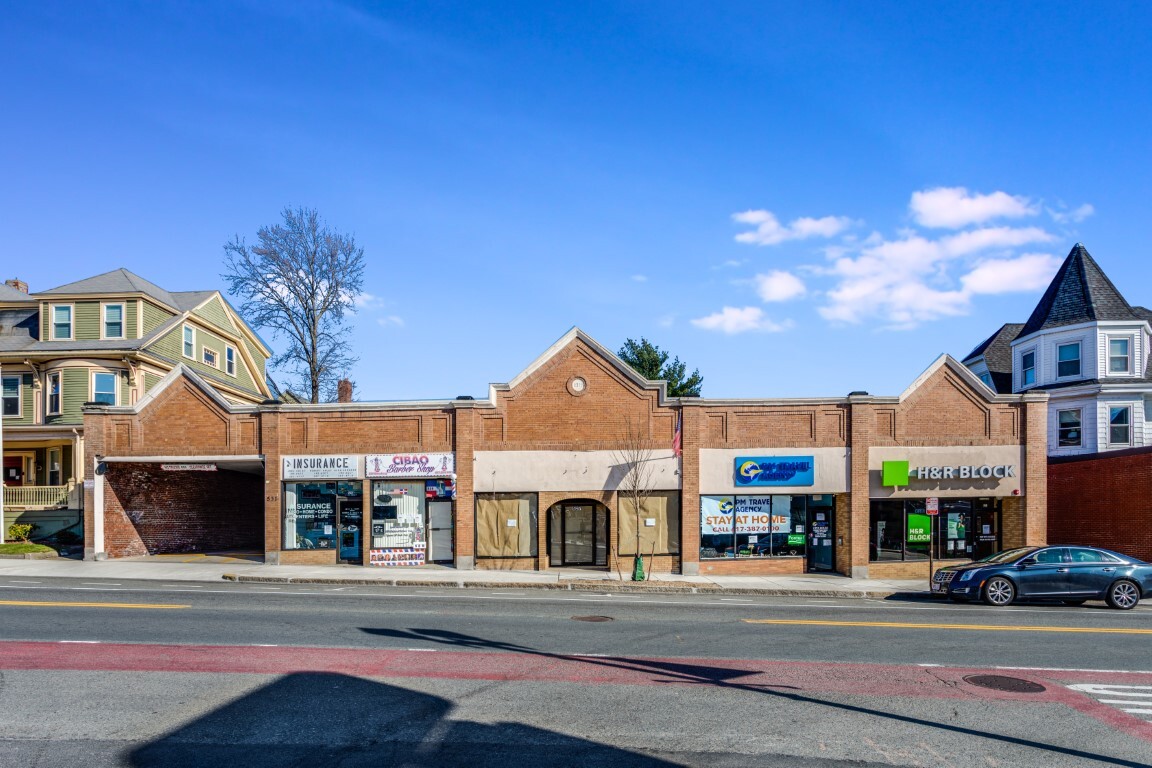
(1091, 351)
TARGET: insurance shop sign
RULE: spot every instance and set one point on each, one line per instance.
(321, 467)
(410, 465)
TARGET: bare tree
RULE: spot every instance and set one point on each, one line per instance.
(299, 282)
(635, 462)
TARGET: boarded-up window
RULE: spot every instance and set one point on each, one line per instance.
(659, 524)
(506, 525)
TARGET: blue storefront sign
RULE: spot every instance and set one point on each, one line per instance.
(775, 470)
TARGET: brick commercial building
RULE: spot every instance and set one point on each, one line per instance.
(578, 461)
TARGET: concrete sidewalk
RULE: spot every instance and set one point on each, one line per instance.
(206, 569)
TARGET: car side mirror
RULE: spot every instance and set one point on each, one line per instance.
(1028, 561)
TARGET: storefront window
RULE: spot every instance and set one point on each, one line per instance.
(398, 514)
(506, 525)
(963, 528)
(755, 526)
(310, 511)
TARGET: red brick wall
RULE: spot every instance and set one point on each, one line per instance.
(149, 511)
(1104, 500)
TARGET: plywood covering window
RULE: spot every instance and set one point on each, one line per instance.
(506, 525)
(659, 524)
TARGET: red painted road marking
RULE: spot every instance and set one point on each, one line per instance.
(781, 677)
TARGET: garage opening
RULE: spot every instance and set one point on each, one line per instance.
(189, 505)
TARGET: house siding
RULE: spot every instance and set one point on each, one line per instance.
(154, 317)
(214, 313)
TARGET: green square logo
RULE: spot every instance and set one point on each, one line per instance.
(894, 473)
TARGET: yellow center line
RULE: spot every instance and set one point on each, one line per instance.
(91, 605)
(979, 627)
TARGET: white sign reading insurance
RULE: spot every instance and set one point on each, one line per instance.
(410, 464)
(327, 467)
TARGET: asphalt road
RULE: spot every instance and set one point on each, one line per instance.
(147, 674)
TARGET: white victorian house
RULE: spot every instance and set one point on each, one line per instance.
(1089, 349)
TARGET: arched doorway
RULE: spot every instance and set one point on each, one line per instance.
(578, 533)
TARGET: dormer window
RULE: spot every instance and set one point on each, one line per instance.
(1119, 356)
(1068, 360)
(113, 321)
(61, 321)
(1028, 369)
(210, 357)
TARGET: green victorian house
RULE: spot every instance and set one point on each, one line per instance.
(107, 339)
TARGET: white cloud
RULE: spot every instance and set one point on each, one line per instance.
(732, 320)
(390, 320)
(1028, 272)
(769, 230)
(640, 278)
(909, 281)
(368, 301)
(955, 207)
(779, 286)
(1075, 216)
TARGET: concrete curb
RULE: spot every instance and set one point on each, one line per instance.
(31, 556)
(579, 586)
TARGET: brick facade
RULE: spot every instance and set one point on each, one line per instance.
(149, 511)
(1103, 500)
(544, 412)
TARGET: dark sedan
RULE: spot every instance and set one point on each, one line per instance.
(1069, 574)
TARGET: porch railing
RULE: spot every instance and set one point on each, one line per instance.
(37, 496)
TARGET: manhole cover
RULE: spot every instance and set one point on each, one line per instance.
(1004, 683)
(591, 618)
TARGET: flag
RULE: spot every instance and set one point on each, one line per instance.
(677, 437)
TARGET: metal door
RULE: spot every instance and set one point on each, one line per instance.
(440, 532)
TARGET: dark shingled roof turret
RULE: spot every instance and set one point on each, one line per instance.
(1079, 293)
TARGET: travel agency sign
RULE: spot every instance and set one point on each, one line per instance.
(761, 471)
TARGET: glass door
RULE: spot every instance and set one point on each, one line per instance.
(440, 531)
(821, 556)
(578, 534)
(350, 523)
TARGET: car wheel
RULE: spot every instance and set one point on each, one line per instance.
(999, 592)
(1123, 595)
(1073, 602)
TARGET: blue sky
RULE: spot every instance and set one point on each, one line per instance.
(798, 199)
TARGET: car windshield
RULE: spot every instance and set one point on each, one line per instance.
(1008, 556)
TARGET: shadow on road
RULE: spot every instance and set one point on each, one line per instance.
(315, 719)
(729, 679)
